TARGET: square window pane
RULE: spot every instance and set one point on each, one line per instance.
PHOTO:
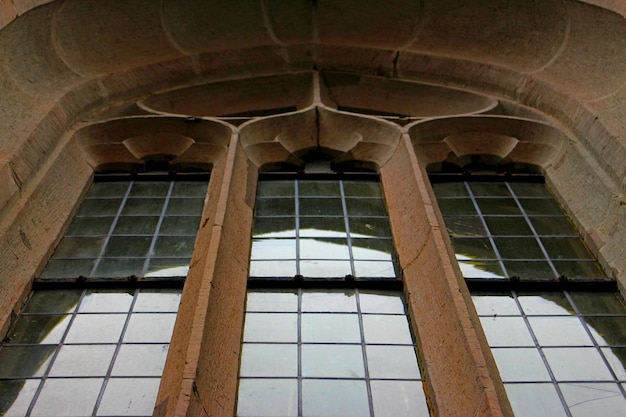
(273, 227)
(328, 248)
(96, 328)
(386, 329)
(24, 361)
(106, 302)
(329, 301)
(325, 269)
(89, 226)
(128, 246)
(473, 248)
(578, 269)
(319, 188)
(506, 331)
(129, 397)
(67, 397)
(174, 246)
(185, 207)
(495, 304)
(275, 207)
(366, 207)
(140, 360)
(508, 226)
(79, 247)
(465, 226)
(361, 189)
(39, 329)
(577, 364)
(598, 302)
(150, 328)
(518, 248)
(258, 359)
(83, 360)
(608, 331)
(399, 398)
(490, 189)
(525, 189)
(136, 225)
(333, 361)
(273, 249)
(331, 398)
(320, 207)
(369, 227)
(520, 365)
(168, 267)
(67, 268)
(278, 301)
(566, 248)
(559, 331)
(540, 206)
(143, 206)
(535, 400)
(553, 226)
(157, 300)
(328, 328)
(271, 327)
(450, 189)
(16, 396)
(616, 357)
(372, 249)
(322, 227)
(393, 362)
(457, 207)
(498, 206)
(267, 397)
(119, 267)
(381, 302)
(545, 304)
(179, 225)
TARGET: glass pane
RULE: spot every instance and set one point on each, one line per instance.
(131, 246)
(465, 226)
(518, 248)
(506, 331)
(553, 226)
(273, 249)
(16, 396)
(168, 267)
(536, 207)
(495, 189)
(481, 269)
(499, 206)
(275, 207)
(529, 269)
(272, 268)
(83, 360)
(96, 328)
(366, 207)
(68, 268)
(324, 328)
(140, 360)
(361, 189)
(591, 399)
(189, 189)
(380, 302)
(473, 248)
(598, 302)
(399, 398)
(530, 190)
(157, 300)
(324, 249)
(89, 226)
(106, 301)
(79, 247)
(58, 301)
(275, 188)
(269, 327)
(578, 269)
(174, 246)
(322, 227)
(272, 301)
(559, 331)
(616, 357)
(386, 329)
(394, 362)
(325, 269)
(520, 364)
(99, 207)
(58, 397)
(495, 305)
(259, 359)
(150, 328)
(179, 225)
(268, 227)
(508, 226)
(136, 225)
(143, 206)
(149, 189)
(328, 398)
(369, 227)
(577, 364)
(119, 267)
(24, 361)
(129, 397)
(374, 249)
(107, 189)
(185, 207)
(319, 188)
(267, 397)
(566, 248)
(457, 207)
(329, 301)
(535, 400)
(545, 303)
(608, 331)
(375, 269)
(38, 329)
(450, 189)
(320, 207)
(333, 361)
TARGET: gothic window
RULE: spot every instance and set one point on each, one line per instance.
(326, 332)
(555, 323)
(93, 337)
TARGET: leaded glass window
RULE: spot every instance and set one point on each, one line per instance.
(326, 332)
(556, 325)
(93, 337)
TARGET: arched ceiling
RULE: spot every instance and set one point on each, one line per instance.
(68, 68)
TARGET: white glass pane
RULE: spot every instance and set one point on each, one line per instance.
(399, 399)
(386, 329)
(267, 397)
(330, 328)
(67, 397)
(328, 398)
(129, 397)
(268, 327)
(259, 359)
